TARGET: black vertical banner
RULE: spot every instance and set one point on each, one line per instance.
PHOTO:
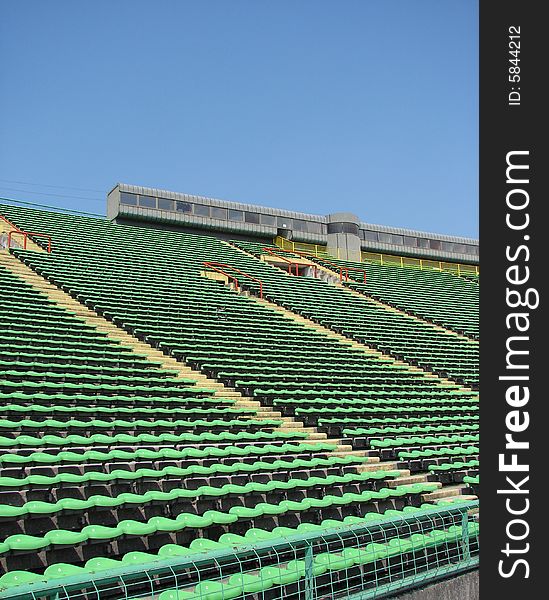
(514, 166)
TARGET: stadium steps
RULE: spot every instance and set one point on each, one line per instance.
(66, 301)
(460, 498)
(103, 325)
(6, 227)
(110, 269)
(398, 311)
(440, 381)
(391, 308)
(70, 277)
(269, 259)
(371, 351)
(406, 478)
(447, 491)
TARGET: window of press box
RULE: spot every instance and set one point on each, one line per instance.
(236, 215)
(269, 220)
(314, 227)
(434, 244)
(410, 241)
(126, 198)
(398, 240)
(165, 204)
(201, 210)
(147, 201)
(184, 207)
(300, 225)
(219, 213)
(448, 246)
(343, 228)
(284, 222)
(370, 236)
(386, 238)
(422, 243)
(251, 217)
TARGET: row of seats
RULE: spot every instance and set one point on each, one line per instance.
(435, 539)
(142, 532)
(437, 296)
(405, 337)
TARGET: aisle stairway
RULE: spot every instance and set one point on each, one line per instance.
(403, 336)
(413, 290)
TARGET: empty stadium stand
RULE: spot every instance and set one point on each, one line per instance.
(414, 340)
(412, 290)
(152, 410)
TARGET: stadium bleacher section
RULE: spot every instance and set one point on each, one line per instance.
(412, 290)
(108, 459)
(403, 336)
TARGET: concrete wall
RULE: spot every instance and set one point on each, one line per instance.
(344, 243)
(463, 587)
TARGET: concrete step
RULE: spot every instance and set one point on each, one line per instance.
(407, 479)
(350, 452)
(447, 491)
(316, 436)
(461, 497)
(376, 466)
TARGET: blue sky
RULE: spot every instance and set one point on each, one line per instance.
(369, 106)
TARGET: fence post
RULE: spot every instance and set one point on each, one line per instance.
(309, 577)
(465, 535)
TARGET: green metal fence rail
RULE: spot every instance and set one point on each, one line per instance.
(383, 556)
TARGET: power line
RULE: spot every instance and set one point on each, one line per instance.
(54, 195)
(59, 208)
(63, 187)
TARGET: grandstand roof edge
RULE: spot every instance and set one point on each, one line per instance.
(157, 192)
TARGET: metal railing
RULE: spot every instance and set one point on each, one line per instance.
(383, 259)
(222, 268)
(342, 270)
(275, 252)
(374, 558)
(26, 235)
(315, 249)
(11, 242)
(424, 264)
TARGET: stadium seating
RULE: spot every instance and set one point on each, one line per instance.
(404, 337)
(412, 290)
(280, 362)
(95, 440)
(400, 335)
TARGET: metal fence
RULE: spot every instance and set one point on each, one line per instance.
(380, 258)
(373, 558)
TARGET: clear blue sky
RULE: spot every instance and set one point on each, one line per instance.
(369, 106)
